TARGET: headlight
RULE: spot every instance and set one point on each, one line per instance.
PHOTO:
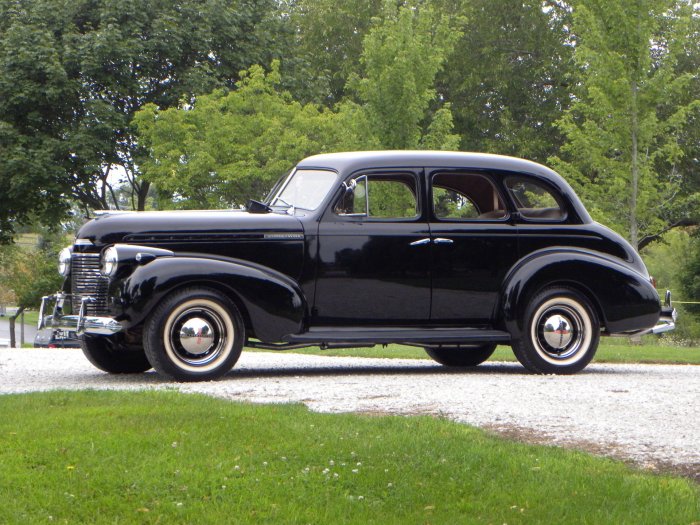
(110, 260)
(64, 261)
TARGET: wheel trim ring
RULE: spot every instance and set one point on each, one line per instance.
(219, 315)
(581, 323)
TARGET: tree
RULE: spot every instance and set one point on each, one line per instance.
(231, 146)
(326, 47)
(30, 275)
(508, 76)
(401, 56)
(73, 73)
(624, 126)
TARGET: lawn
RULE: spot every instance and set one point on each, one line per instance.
(611, 350)
(165, 457)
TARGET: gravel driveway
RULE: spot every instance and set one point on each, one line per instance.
(648, 414)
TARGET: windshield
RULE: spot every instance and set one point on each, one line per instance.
(305, 189)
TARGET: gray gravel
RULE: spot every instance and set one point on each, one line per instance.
(648, 414)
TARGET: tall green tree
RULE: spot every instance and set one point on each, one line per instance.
(624, 128)
(74, 72)
(508, 77)
(402, 54)
(325, 47)
(232, 146)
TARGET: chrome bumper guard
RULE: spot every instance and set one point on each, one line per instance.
(81, 323)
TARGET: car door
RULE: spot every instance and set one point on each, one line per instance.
(374, 253)
(474, 245)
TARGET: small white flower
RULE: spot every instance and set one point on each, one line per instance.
(360, 497)
(237, 467)
(174, 445)
(355, 471)
(390, 485)
(359, 464)
(265, 463)
(178, 504)
(331, 462)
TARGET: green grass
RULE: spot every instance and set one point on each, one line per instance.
(609, 351)
(164, 457)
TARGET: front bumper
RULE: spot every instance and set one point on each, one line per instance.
(81, 323)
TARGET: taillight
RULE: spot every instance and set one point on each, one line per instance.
(652, 280)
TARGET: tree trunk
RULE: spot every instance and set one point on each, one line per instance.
(142, 194)
(13, 339)
(634, 183)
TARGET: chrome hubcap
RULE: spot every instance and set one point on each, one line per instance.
(196, 336)
(557, 331)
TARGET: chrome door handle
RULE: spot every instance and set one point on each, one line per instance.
(421, 242)
(442, 240)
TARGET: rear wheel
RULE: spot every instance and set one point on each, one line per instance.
(195, 334)
(109, 354)
(560, 334)
(461, 356)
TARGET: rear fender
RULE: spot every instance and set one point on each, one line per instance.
(624, 298)
(272, 301)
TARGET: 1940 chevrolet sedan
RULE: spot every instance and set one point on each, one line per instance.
(452, 252)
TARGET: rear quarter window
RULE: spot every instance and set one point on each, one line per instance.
(535, 201)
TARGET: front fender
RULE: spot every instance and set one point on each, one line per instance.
(624, 298)
(273, 302)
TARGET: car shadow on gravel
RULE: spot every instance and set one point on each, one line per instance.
(244, 372)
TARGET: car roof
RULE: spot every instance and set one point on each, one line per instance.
(353, 160)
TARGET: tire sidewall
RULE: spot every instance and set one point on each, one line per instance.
(158, 343)
(110, 355)
(534, 356)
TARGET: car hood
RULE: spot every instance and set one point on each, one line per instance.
(177, 226)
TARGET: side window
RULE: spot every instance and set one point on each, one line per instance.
(534, 201)
(380, 196)
(466, 196)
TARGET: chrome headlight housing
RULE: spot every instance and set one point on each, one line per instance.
(110, 261)
(64, 257)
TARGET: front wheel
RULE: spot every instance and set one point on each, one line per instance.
(560, 333)
(195, 334)
(461, 356)
(110, 355)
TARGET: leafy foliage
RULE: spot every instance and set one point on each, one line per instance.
(75, 72)
(29, 275)
(232, 146)
(622, 148)
(402, 54)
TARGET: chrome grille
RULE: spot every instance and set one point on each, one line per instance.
(86, 280)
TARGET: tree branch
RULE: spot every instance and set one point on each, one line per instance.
(651, 238)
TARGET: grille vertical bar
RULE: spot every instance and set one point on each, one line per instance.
(86, 280)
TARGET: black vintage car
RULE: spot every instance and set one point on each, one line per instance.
(452, 252)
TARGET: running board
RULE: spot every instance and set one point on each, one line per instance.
(355, 335)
